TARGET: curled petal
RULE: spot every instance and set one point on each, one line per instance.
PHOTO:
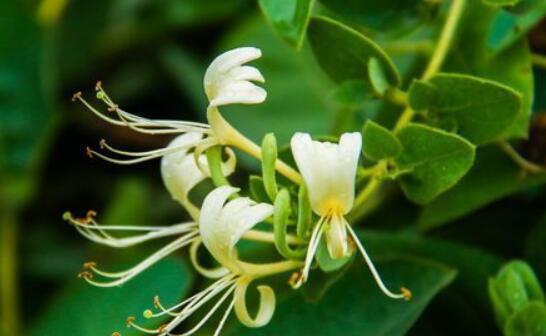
(227, 81)
(265, 309)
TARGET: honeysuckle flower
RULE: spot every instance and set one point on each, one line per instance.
(329, 172)
(222, 224)
(226, 81)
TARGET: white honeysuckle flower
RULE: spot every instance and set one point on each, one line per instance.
(102, 234)
(181, 173)
(222, 224)
(228, 81)
(329, 172)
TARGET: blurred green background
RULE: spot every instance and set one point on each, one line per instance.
(150, 56)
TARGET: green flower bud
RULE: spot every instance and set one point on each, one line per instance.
(512, 289)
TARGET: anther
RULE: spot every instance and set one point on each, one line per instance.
(89, 265)
(157, 304)
(162, 328)
(89, 152)
(113, 108)
(85, 275)
(115, 333)
(294, 279)
(91, 214)
(102, 143)
(406, 293)
(76, 96)
(98, 85)
(129, 321)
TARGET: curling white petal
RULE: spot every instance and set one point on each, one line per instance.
(329, 170)
(228, 81)
(222, 224)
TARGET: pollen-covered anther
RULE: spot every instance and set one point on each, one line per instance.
(98, 85)
(85, 275)
(89, 152)
(76, 96)
(129, 321)
(157, 304)
(89, 265)
(102, 143)
(162, 328)
(407, 293)
(116, 333)
(294, 280)
(113, 108)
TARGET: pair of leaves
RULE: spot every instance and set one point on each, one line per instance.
(480, 110)
(435, 160)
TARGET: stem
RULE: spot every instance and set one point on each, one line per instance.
(230, 136)
(268, 237)
(521, 161)
(439, 55)
(539, 60)
(263, 270)
(8, 277)
(434, 65)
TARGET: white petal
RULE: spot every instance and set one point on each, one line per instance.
(329, 170)
(180, 172)
(223, 224)
(227, 81)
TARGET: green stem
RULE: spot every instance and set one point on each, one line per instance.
(439, 55)
(230, 136)
(539, 60)
(434, 65)
(521, 161)
(8, 274)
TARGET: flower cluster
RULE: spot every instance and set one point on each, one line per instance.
(202, 151)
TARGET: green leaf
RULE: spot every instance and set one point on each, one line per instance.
(469, 54)
(358, 306)
(530, 321)
(395, 16)
(515, 22)
(378, 78)
(83, 310)
(492, 177)
(289, 18)
(482, 109)
(422, 95)
(344, 53)
(379, 143)
(437, 160)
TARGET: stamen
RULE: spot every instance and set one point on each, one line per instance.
(405, 293)
(311, 251)
(198, 326)
(124, 276)
(130, 322)
(90, 229)
(140, 156)
(142, 125)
